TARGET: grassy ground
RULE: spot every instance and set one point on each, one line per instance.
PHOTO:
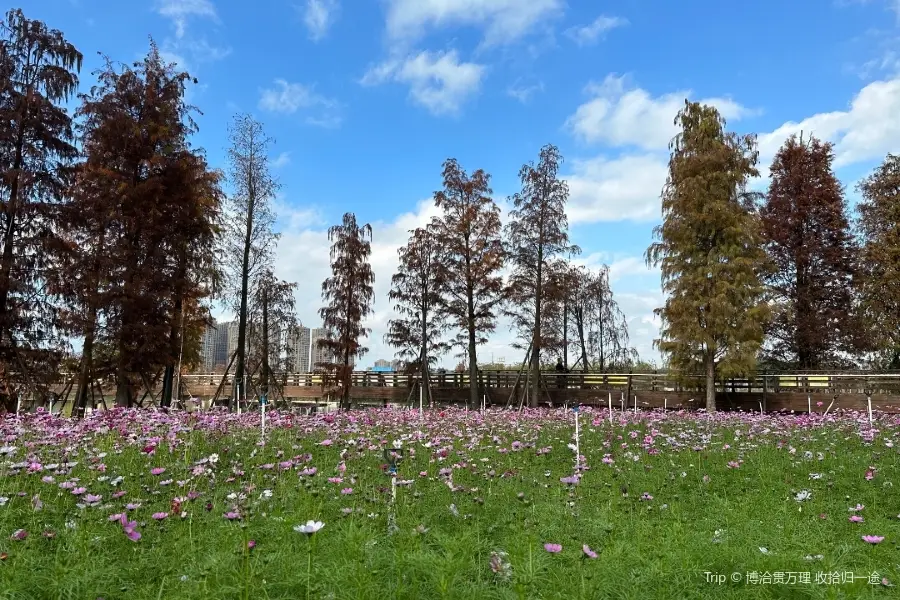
(675, 506)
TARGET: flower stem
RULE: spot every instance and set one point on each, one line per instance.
(308, 567)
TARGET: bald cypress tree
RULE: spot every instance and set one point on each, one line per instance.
(38, 73)
(709, 249)
(879, 230)
(809, 243)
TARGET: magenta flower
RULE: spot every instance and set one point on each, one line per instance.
(251, 544)
(116, 517)
(232, 515)
(588, 552)
(873, 539)
(335, 479)
(193, 495)
(646, 496)
(47, 479)
(159, 516)
(856, 519)
(19, 535)
(157, 470)
(553, 548)
(92, 499)
(130, 529)
(79, 491)
(870, 474)
(132, 506)
(347, 491)
(325, 442)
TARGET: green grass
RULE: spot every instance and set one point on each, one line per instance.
(659, 548)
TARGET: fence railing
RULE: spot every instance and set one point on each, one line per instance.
(873, 383)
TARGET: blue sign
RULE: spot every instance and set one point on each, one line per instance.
(263, 399)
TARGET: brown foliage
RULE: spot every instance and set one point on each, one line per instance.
(808, 241)
(537, 232)
(879, 228)
(38, 72)
(468, 231)
(709, 251)
(348, 300)
(142, 223)
(416, 292)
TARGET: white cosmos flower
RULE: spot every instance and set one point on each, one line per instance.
(310, 528)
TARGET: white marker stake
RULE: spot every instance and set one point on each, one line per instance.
(665, 404)
(870, 410)
(610, 408)
(808, 405)
(393, 488)
(760, 408)
(635, 405)
(262, 409)
(18, 404)
(421, 414)
(577, 442)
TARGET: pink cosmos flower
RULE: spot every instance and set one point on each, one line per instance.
(873, 539)
(119, 494)
(47, 479)
(870, 474)
(347, 491)
(92, 499)
(79, 491)
(588, 552)
(856, 519)
(734, 465)
(646, 496)
(132, 506)
(232, 515)
(334, 480)
(251, 544)
(159, 516)
(19, 535)
(157, 470)
(325, 442)
(193, 495)
(116, 517)
(553, 548)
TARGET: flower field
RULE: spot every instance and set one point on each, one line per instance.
(142, 504)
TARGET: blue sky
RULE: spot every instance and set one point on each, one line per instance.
(366, 99)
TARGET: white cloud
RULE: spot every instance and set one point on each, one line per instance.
(584, 35)
(282, 160)
(319, 16)
(619, 189)
(868, 129)
(178, 11)
(523, 92)
(621, 116)
(504, 21)
(437, 81)
(288, 98)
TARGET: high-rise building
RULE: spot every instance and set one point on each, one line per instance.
(208, 348)
(300, 346)
(231, 334)
(319, 355)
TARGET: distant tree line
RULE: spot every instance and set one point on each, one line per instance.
(115, 231)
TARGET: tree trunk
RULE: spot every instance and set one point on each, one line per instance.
(536, 338)
(473, 360)
(710, 382)
(265, 343)
(565, 329)
(87, 366)
(242, 317)
(9, 235)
